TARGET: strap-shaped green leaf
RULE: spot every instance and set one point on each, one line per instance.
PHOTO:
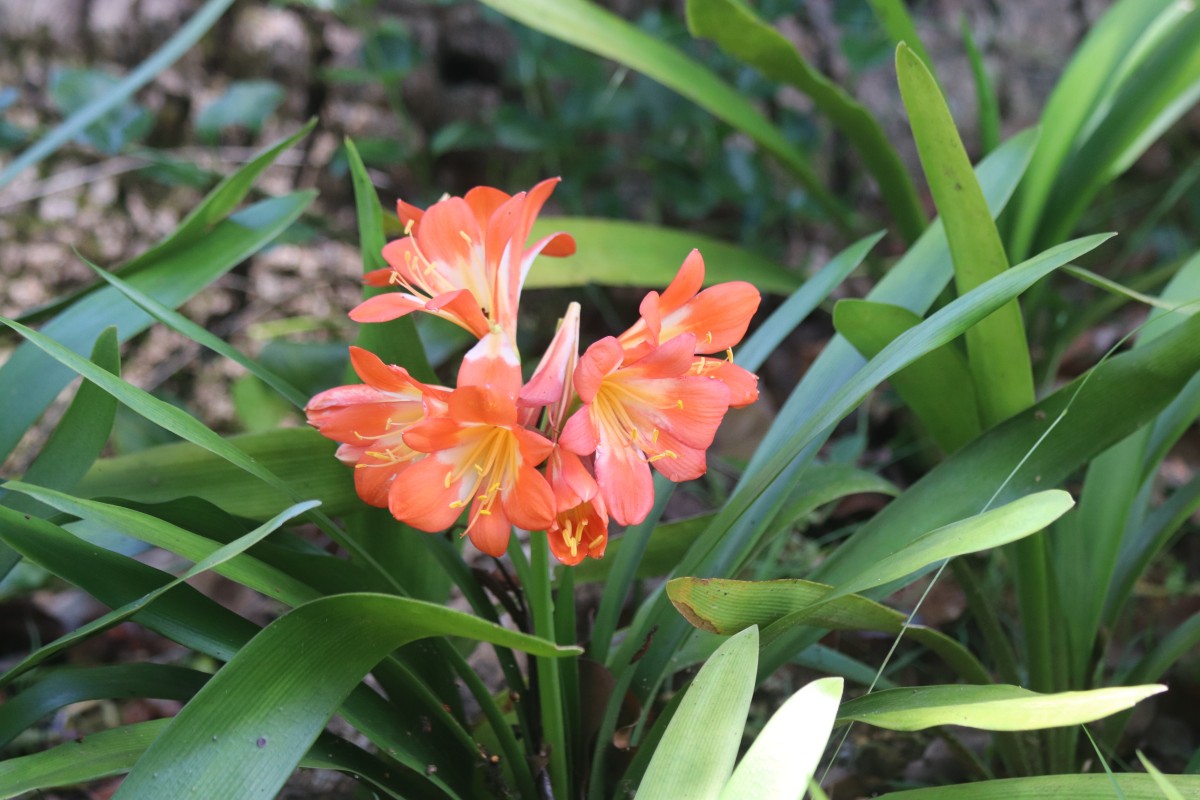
(727, 606)
(590, 27)
(1170, 792)
(936, 387)
(695, 757)
(114, 751)
(177, 322)
(786, 752)
(74, 444)
(188, 617)
(985, 93)
(66, 686)
(300, 457)
(999, 526)
(670, 541)
(1121, 395)
(213, 559)
(783, 320)
(29, 380)
(744, 35)
(1087, 80)
(1054, 787)
(996, 350)
(620, 253)
(1160, 84)
(273, 698)
(998, 707)
(188, 427)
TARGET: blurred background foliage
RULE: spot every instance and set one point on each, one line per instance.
(440, 96)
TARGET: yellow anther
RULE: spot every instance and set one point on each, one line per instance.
(708, 338)
(663, 454)
(449, 478)
(408, 227)
(654, 436)
(595, 542)
(487, 512)
(633, 434)
(465, 237)
(571, 541)
(679, 404)
(478, 468)
(729, 354)
(458, 504)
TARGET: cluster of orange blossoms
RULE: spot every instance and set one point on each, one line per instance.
(596, 423)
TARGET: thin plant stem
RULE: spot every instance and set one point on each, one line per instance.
(549, 682)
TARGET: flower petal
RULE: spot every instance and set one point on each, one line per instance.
(579, 435)
(462, 308)
(625, 483)
(492, 362)
(482, 405)
(685, 284)
(422, 499)
(598, 361)
(373, 478)
(385, 307)
(742, 383)
(718, 316)
(434, 434)
(529, 502)
(408, 214)
(490, 532)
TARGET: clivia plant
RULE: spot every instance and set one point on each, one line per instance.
(573, 458)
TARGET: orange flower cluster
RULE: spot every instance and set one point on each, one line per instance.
(564, 452)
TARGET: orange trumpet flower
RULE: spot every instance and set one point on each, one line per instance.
(464, 259)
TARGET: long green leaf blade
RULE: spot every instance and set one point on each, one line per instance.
(590, 27)
(783, 320)
(688, 766)
(936, 387)
(999, 707)
(785, 753)
(177, 322)
(212, 560)
(994, 528)
(1054, 787)
(273, 698)
(997, 353)
(29, 381)
(743, 34)
(1086, 79)
(618, 253)
(1121, 395)
(65, 686)
(300, 457)
(114, 751)
(186, 426)
(727, 606)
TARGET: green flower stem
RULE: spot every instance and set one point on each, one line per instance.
(500, 725)
(568, 669)
(549, 688)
